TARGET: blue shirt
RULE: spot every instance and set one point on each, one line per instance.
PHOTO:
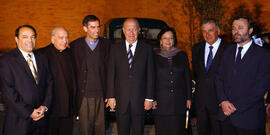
(91, 45)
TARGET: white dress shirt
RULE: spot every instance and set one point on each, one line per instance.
(25, 55)
(244, 50)
(133, 48)
(214, 50)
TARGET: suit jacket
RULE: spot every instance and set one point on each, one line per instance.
(78, 47)
(130, 86)
(21, 94)
(173, 84)
(205, 94)
(244, 86)
(64, 80)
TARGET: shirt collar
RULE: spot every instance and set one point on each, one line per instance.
(246, 46)
(133, 44)
(25, 54)
(215, 45)
(91, 43)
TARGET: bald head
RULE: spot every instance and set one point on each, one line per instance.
(59, 38)
(131, 30)
(133, 20)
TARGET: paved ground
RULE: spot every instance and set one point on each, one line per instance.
(112, 130)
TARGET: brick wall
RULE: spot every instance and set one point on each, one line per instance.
(46, 14)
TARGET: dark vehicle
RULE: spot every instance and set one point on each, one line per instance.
(149, 30)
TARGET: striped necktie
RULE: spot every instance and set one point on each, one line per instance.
(130, 56)
(32, 68)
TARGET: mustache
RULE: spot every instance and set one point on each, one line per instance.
(236, 34)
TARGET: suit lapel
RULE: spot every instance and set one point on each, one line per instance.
(101, 47)
(249, 53)
(82, 50)
(20, 59)
(123, 53)
(39, 66)
(202, 54)
(218, 55)
(137, 53)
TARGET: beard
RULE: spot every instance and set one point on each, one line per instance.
(238, 38)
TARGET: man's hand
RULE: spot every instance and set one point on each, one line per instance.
(154, 105)
(37, 115)
(188, 104)
(111, 102)
(268, 110)
(42, 109)
(148, 104)
(227, 108)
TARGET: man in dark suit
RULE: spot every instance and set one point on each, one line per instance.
(26, 85)
(205, 61)
(130, 80)
(242, 80)
(90, 54)
(59, 57)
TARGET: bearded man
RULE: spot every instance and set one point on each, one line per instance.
(242, 80)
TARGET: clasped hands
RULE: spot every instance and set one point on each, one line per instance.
(111, 102)
(38, 113)
(227, 107)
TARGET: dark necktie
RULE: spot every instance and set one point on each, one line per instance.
(238, 56)
(210, 58)
(130, 56)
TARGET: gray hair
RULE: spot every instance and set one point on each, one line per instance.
(55, 28)
(210, 20)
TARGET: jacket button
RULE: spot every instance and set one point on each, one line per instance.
(171, 73)
(171, 90)
(171, 81)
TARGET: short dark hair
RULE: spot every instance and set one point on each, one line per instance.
(89, 18)
(250, 22)
(210, 20)
(166, 29)
(25, 26)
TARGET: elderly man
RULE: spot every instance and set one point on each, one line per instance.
(130, 80)
(90, 55)
(59, 57)
(205, 61)
(243, 79)
(26, 83)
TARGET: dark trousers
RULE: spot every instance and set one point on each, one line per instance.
(228, 128)
(92, 116)
(170, 124)
(39, 131)
(127, 119)
(61, 126)
(208, 122)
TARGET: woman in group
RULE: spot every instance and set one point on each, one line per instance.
(173, 85)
